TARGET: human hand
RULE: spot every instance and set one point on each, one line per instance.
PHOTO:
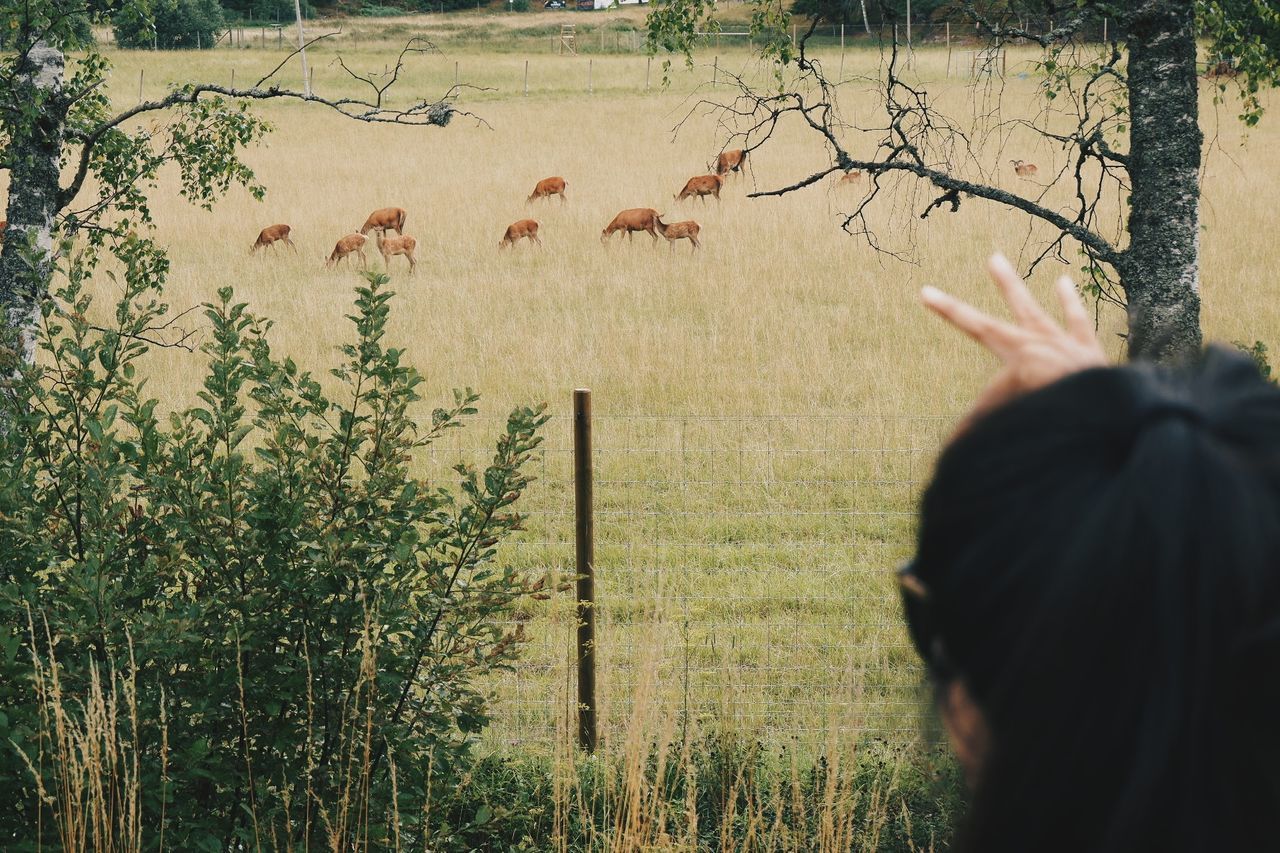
(1036, 351)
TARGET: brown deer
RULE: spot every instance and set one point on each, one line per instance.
(352, 243)
(402, 245)
(548, 187)
(517, 231)
(701, 186)
(632, 220)
(853, 176)
(1222, 69)
(687, 230)
(730, 161)
(1024, 169)
(270, 235)
(386, 219)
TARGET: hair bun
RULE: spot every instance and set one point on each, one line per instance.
(1169, 410)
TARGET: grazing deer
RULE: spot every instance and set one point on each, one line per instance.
(402, 245)
(731, 161)
(386, 219)
(632, 220)
(1024, 170)
(517, 231)
(701, 186)
(346, 246)
(270, 235)
(687, 230)
(1222, 69)
(548, 187)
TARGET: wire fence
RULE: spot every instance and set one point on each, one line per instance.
(744, 563)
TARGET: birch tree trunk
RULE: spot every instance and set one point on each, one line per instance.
(1160, 271)
(35, 152)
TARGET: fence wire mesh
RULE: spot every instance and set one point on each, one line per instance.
(744, 563)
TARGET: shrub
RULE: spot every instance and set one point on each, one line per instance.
(168, 24)
(289, 624)
(1258, 352)
(375, 10)
(520, 5)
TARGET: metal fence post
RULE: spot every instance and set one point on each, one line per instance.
(584, 536)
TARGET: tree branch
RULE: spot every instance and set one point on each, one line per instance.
(424, 113)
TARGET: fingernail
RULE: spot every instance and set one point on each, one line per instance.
(929, 293)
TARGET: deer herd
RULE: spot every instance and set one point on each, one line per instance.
(628, 222)
(646, 219)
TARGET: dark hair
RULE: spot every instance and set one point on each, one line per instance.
(1102, 566)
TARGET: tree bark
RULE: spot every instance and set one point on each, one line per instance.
(1160, 271)
(35, 154)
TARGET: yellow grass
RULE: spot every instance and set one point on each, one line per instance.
(768, 406)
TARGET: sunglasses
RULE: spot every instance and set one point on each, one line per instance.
(921, 622)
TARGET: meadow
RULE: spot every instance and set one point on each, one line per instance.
(767, 408)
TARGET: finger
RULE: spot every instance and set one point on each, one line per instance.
(996, 335)
(1019, 299)
(1073, 311)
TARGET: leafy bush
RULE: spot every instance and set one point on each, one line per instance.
(520, 5)
(1259, 353)
(168, 24)
(262, 11)
(375, 10)
(250, 617)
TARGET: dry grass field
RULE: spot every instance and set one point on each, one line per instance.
(766, 407)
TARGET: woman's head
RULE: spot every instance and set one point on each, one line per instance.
(1098, 573)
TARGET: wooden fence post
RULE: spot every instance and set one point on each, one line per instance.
(526, 78)
(842, 52)
(948, 48)
(584, 540)
(648, 64)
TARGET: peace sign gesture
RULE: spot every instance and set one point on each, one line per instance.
(1035, 350)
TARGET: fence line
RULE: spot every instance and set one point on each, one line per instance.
(747, 559)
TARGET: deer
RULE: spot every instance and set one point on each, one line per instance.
(517, 231)
(346, 246)
(4, 226)
(1024, 169)
(632, 220)
(385, 219)
(853, 176)
(548, 187)
(402, 245)
(701, 186)
(272, 234)
(1222, 69)
(730, 161)
(687, 230)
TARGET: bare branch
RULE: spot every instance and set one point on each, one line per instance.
(423, 113)
(155, 335)
(917, 141)
(291, 55)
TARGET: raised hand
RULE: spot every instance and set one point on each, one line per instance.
(1034, 349)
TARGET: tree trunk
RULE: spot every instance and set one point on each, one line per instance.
(1160, 271)
(35, 152)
